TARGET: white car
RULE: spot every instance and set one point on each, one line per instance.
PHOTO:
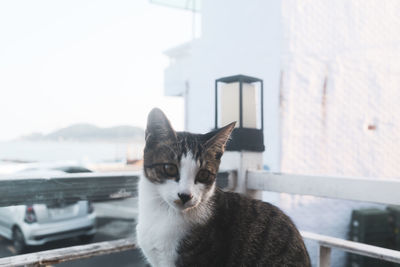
(36, 224)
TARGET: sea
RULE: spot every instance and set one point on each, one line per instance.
(13, 154)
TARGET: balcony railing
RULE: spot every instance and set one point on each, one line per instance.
(383, 191)
(95, 187)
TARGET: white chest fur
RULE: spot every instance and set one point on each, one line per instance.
(159, 228)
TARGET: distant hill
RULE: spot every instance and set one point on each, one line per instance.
(89, 132)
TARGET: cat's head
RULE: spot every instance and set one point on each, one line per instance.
(182, 166)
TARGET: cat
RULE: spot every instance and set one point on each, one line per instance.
(185, 220)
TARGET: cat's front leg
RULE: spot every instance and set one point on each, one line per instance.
(145, 246)
(158, 254)
(157, 258)
(167, 262)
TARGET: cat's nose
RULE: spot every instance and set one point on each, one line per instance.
(184, 197)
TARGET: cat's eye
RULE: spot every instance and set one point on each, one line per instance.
(170, 170)
(203, 176)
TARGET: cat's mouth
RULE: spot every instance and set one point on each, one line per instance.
(184, 207)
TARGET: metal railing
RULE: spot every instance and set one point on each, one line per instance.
(95, 187)
(326, 243)
(383, 191)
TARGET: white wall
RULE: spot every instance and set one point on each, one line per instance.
(341, 73)
(353, 47)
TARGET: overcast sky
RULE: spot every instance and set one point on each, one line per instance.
(101, 62)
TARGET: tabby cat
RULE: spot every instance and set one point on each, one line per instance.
(185, 220)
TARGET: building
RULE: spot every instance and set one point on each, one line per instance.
(331, 72)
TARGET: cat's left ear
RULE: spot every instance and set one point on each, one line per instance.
(218, 141)
(159, 128)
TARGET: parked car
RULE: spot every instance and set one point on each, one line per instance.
(37, 224)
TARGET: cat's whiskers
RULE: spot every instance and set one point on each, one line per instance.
(155, 197)
(199, 213)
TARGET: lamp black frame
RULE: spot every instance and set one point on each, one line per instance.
(249, 139)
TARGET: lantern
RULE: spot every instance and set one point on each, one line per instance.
(240, 98)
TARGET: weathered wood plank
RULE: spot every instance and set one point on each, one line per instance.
(71, 187)
(354, 247)
(384, 191)
(68, 254)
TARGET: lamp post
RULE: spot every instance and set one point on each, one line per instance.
(240, 98)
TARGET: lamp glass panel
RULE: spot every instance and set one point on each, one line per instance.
(249, 106)
(228, 103)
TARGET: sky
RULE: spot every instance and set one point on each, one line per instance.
(85, 61)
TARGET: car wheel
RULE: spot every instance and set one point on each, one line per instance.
(18, 241)
(86, 238)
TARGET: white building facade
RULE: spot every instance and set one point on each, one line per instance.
(331, 72)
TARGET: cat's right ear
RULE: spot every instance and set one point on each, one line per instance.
(159, 128)
(219, 139)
